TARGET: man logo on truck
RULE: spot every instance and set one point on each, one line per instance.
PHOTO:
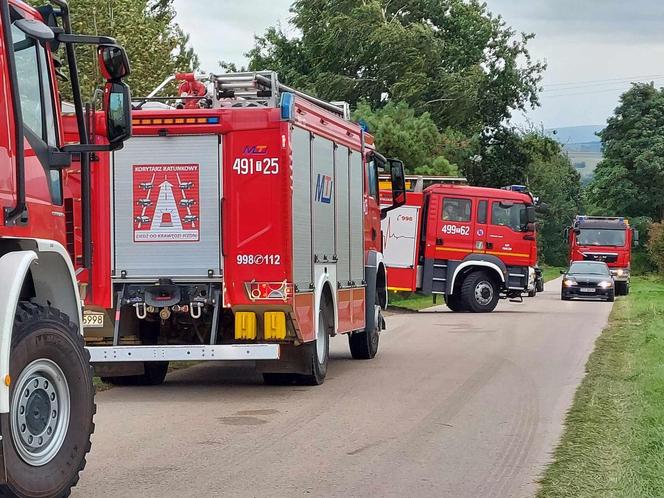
(324, 189)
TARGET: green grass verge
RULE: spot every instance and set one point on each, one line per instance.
(411, 301)
(613, 444)
(551, 272)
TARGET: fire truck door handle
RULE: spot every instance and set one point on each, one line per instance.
(439, 241)
(489, 245)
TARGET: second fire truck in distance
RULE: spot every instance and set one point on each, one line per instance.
(241, 222)
(606, 239)
(471, 245)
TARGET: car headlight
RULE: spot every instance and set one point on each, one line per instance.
(568, 282)
(606, 284)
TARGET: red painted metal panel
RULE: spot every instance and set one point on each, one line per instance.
(304, 312)
(345, 310)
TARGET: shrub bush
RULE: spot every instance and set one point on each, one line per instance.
(656, 245)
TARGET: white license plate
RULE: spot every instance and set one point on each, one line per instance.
(587, 289)
(93, 320)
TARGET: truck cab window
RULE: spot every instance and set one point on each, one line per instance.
(37, 106)
(513, 216)
(457, 210)
(372, 178)
(482, 212)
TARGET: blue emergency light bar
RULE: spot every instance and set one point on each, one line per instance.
(517, 188)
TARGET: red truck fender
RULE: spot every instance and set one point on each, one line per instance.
(485, 264)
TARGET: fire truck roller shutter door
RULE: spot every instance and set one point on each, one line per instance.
(302, 249)
(341, 159)
(322, 189)
(356, 207)
(168, 171)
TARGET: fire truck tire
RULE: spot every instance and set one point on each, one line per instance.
(364, 344)
(280, 379)
(479, 292)
(154, 372)
(455, 303)
(51, 375)
(317, 353)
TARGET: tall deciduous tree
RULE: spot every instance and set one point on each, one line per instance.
(630, 179)
(450, 58)
(156, 45)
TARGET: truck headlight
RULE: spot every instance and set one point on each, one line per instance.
(606, 284)
(620, 272)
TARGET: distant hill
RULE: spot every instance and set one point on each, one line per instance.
(582, 145)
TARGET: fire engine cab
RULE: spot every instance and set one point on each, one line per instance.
(239, 223)
(472, 245)
(607, 239)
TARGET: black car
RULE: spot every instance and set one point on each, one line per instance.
(588, 279)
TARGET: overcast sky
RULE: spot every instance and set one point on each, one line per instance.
(593, 48)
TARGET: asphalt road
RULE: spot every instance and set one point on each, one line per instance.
(454, 405)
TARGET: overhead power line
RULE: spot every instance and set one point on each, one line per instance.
(589, 82)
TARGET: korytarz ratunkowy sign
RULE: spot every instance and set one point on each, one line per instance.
(166, 202)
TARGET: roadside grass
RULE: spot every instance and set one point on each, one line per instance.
(411, 301)
(613, 444)
(551, 272)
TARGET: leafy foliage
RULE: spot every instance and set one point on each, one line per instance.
(630, 180)
(157, 47)
(450, 58)
(656, 245)
(413, 139)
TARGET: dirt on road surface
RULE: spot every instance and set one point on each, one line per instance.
(454, 405)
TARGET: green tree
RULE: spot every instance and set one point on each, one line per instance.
(156, 45)
(450, 58)
(414, 139)
(630, 179)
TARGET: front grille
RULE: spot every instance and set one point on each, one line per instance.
(606, 258)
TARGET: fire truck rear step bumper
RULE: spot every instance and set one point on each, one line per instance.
(101, 354)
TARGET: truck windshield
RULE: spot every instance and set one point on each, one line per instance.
(603, 237)
(513, 216)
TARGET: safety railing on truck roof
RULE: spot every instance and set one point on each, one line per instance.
(240, 89)
(417, 183)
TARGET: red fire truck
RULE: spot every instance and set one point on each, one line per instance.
(607, 239)
(239, 223)
(46, 392)
(472, 245)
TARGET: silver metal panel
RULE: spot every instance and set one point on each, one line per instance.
(322, 189)
(342, 220)
(302, 256)
(235, 352)
(164, 258)
(356, 208)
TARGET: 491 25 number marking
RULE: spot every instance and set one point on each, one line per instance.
(251, 166)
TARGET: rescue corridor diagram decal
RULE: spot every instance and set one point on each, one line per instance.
(166, 203)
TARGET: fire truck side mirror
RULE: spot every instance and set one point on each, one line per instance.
(398, 179)
(117, 104)
(566, 233)
(531, 214)
(635, 237)
(113, 62)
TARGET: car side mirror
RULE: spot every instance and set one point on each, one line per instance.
(117, 105)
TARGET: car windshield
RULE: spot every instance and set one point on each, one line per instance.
(600, 237)
(589, 268)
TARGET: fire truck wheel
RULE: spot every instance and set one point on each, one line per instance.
(479, 293)
(318, 352)
(455, 303)
(280, 379)
(46, 434)
(364, 344)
